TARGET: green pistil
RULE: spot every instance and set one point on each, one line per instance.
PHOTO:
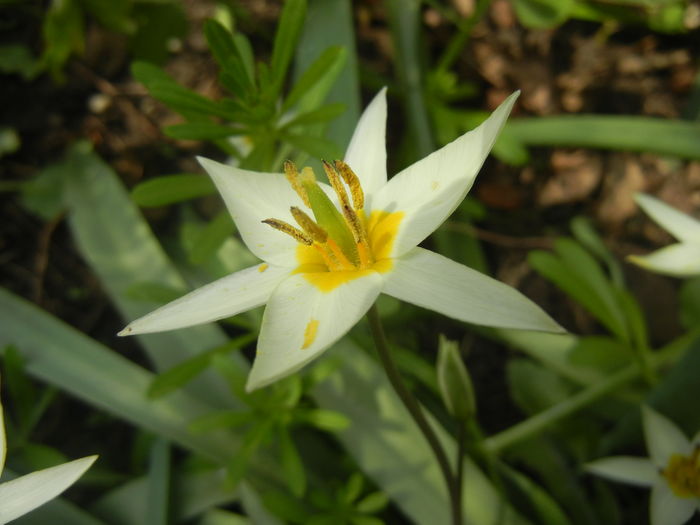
(329, 218)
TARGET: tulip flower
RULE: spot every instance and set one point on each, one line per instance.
(329, 250)
(22, 495)
(672, 470)
(681, 259)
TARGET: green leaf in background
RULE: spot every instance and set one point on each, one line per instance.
(542, 14)
(288, 30)
(535, 388)
(152, 292)
(64, 33)
(332, 58)
(18, 59)
(211, 237)
(455, 384)
(169, 189)
(292, 465)
(317, 147)
(316, 116)
(201, 131)
(675, 138)
(159, 483)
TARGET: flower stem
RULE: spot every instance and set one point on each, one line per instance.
(414, 409)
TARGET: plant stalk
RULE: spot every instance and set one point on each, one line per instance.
(416, 412)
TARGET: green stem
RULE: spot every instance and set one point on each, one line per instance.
(416, 412)
(454, 48)
(537, 423)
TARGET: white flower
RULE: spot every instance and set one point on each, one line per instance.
(672, 470)
(681, 259)
(22, 495)
(319, 277)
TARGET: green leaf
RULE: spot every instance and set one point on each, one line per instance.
(317, 147)
(533, 387)
(332, 58)
(149, 74)
(158, 24)
(454, 382)
(64, 33)
(153, 292)
(18, 59)
(316, 116)
(675, 138)
(220, 41)
(169, 189)
(327, 420)
(159, 483)
(292, 465)
(372, 503)
(182, 373)
(186, 101)
(212, 237)
(43, 195)
(288, 30)
(201, 131)
(542, 14)
(219, 420)
(238, 465)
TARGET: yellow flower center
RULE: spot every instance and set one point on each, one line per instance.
(683, 474)
(340, 243)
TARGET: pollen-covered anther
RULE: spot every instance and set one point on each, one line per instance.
(307, 224)
(290, 230)
(353, 182)
(292, 174)
(683, 474)
(336, 184)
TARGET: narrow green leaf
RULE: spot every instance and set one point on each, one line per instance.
(219, 420)
(186, 101)
(455, 384)
(184, 372)
(317, 147)
(372, 503)
(288, 30)
(332, 58)
(159, 483)
(201, 131)
(644, 134)
(149, 74)
(316, 116)
(327, 420)
(169, 189)
(212, 237)
(291, 464)
(220, 41)
(245, 52)
(151, 292)
(542, 13)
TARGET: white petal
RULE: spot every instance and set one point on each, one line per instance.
(430, 190)
(683, 227)
(666, 508)
(366, 154)
(426, 279)
(663, 438)
(251, 197)
(224, 297)
(21, 495)
(679, 260)
(636, 471)
(301, 321)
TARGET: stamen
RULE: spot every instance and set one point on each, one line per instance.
(336, 184)
(307, 224)
(353, 182)
(290, 171)
(296, 233)
(343, 261)
(358, 232)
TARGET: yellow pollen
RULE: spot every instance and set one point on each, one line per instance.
(263, 267)
(287, 228)
(310, 333)
(353, 182)
(683, 474)
(290, 171)
(307, 224)
(324, 257)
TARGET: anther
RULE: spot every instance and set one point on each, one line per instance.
(353, 182)
(290, 230)
(307, 224)
(336, 184)
(290, 171)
